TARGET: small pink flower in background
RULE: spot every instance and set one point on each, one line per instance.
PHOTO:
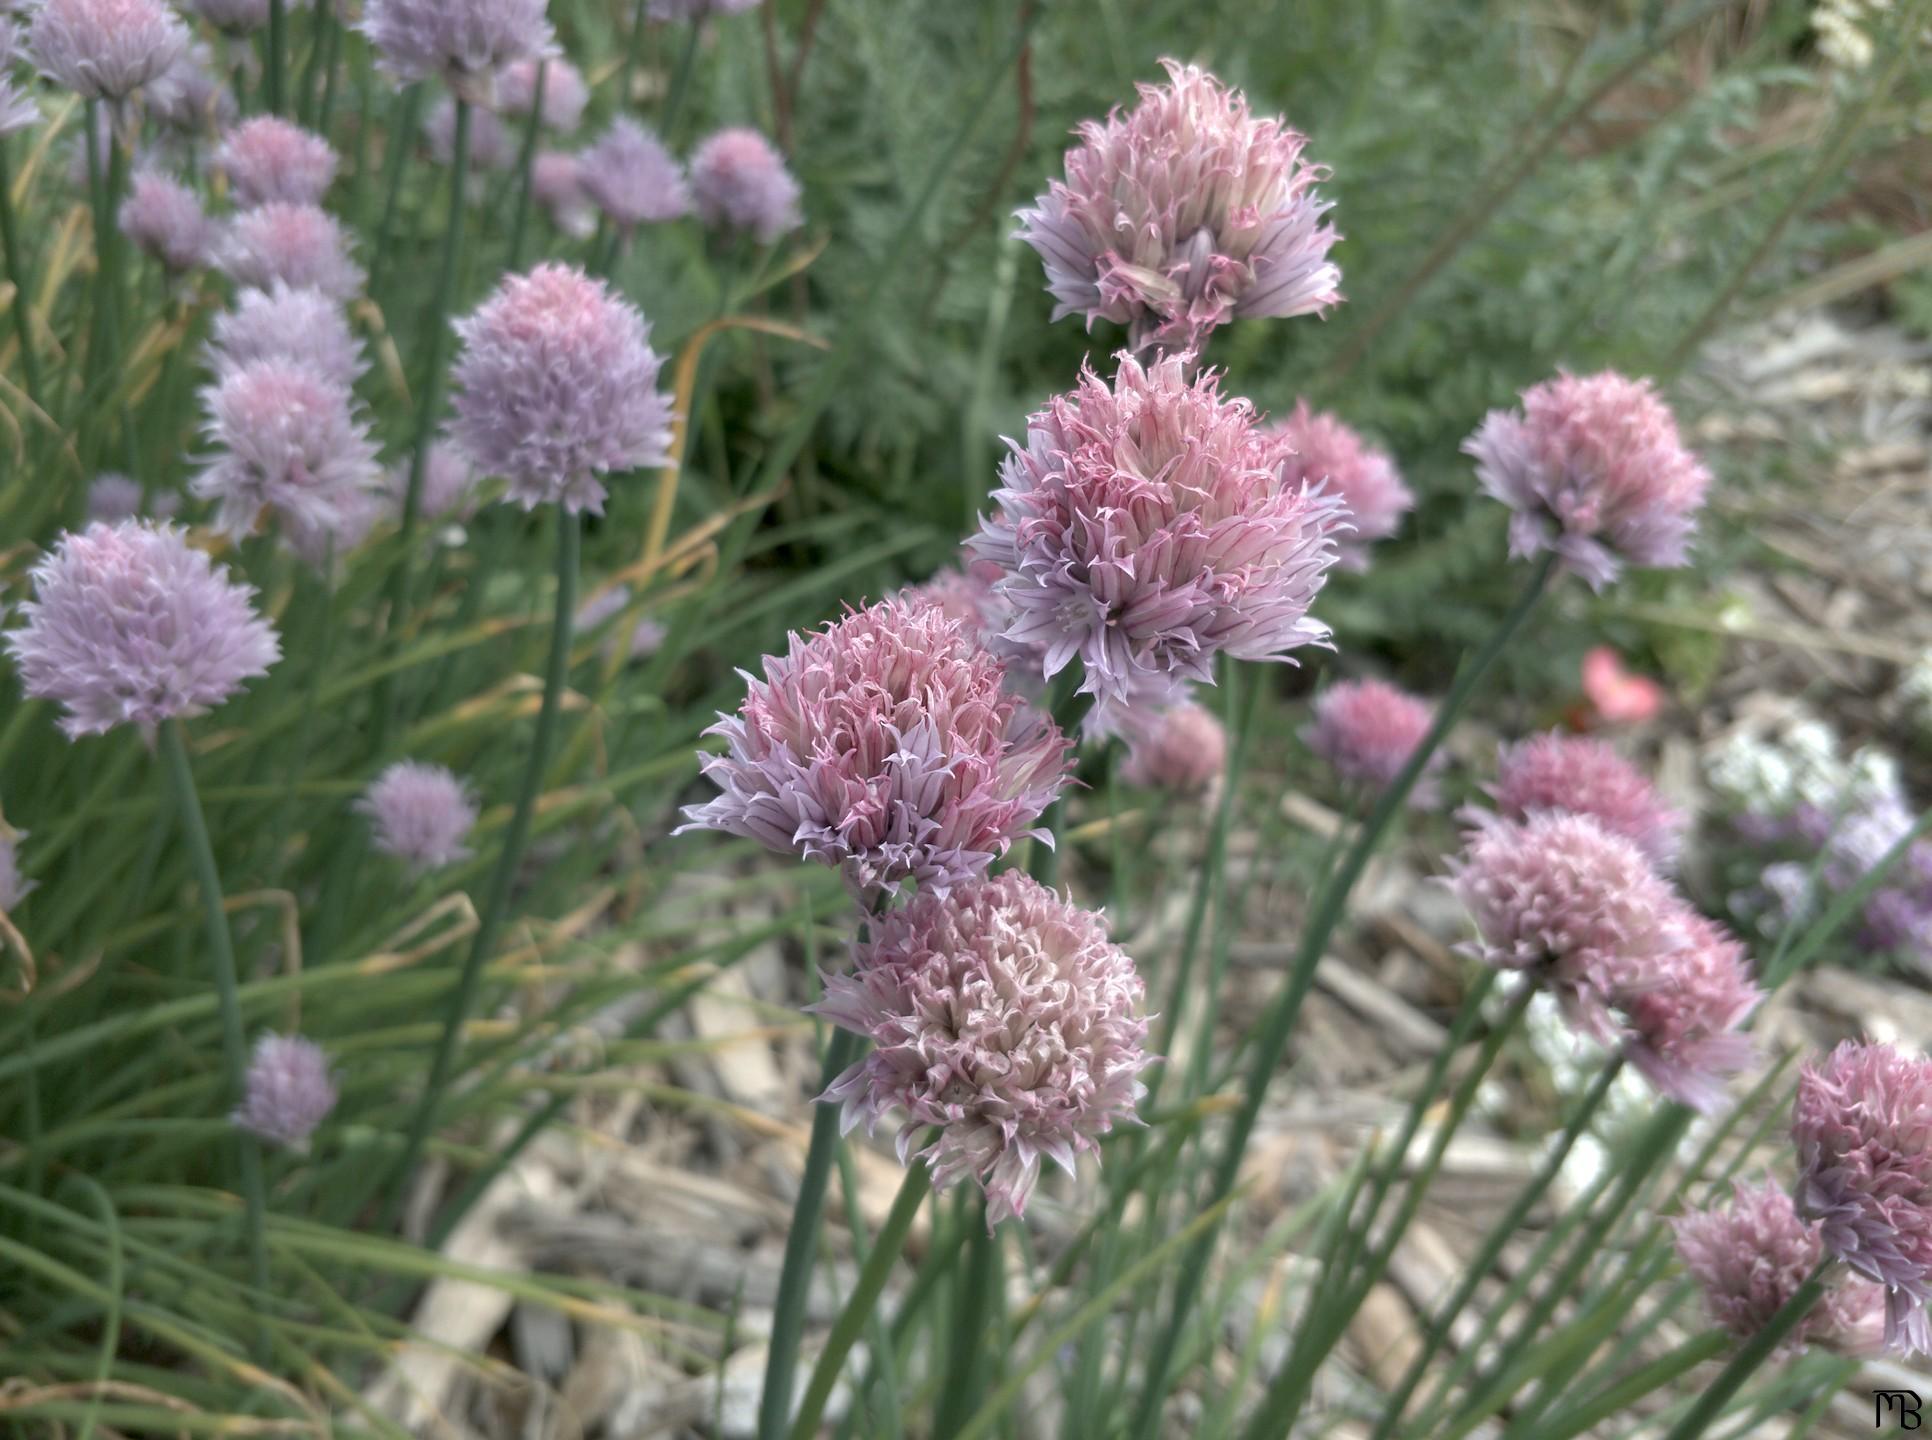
(1681, 1018)
(557, 387)
(266, 158)
(1183, 749)
(163, 218)
(1594, 469)
(1862, 1124)
(884, 745)
(1002, 1014)
(129, 624)
(299, 326)
(646, 636)
(741, 183)
(1752, 1256)
(1144, 527)
(421, 814)
(1321, 450)
(1586, 777)
(104, 49)
(565, 95)
(557, 183)
(299, 245)
(449, 484)
(113, 498)
(464, 42)
(289, 1092)
(1616, 696)
(1367, 729)
(632, 178)
(491, 145)
(1183, 214)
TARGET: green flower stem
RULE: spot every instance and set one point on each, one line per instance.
(973, 1337)
(681, 81)
(402, 136)
(1712, 1400)
(526, 163)
(221, 955)
(859, 1305)
(1280, 1021)
(633, 51)
(17, 278)
(496, 902)
(276, 39)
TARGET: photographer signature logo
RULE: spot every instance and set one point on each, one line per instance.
(1905, 1402)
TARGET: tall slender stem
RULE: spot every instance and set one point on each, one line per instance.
(496, 901)
(276, 41)
(526, 163)
(402, 136)
(17, 278)
(1755, 1351)
(632, 51)
(681, 81)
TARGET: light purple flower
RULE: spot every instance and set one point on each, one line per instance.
(1594, 469)
(565, 95)
(113, 497)
(557, 386)
(1581, 776)
(557, 183)
(741, 183)
(1183, 214)
(187, 97)
(1182, 748)
(266, 158)
(491, 146)
(1682, 1013)
(698, 9)
(465, 42)
(449, 484)
(301, 326)
(884, 745)
(1002, 1014)
(129, 624)
(1145, 527)
(1367, 729)
(289, 1092)
(1862, 1123)
(164, 219)
(646, 636)
(104, 49)
(632, 178)
(1322, 451)
(299, 245)
(421, 814)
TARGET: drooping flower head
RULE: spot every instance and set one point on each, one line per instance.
(1183, 748)
(289, 1091)
(1587, 777)
(557, 386)
(1681, 1015)
(421, 814)
(300, 326)
(1862, 1123)
(164, 219)
(1594, 469)
(129, 624)
(1002, 1014)
(565, 95)
(1367, 729)
(741, 183)
(300, 245)
(632, 178)
(557, 183)
(266, 158)
(1323, 451)
(491, 145)
(1182, 214)
(465, 42)
(104, 49)
(1145, 527)
(1751, 1257)
(884, 745)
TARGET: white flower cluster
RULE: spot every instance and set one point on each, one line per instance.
(1773, 774)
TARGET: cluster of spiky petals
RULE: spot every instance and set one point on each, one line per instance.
(300, 326)
(17, 109)
(465, 42)
(187, 97)
(1582, 776)
(1181, 748)
(1182, 214)
(1862, 1124)
(632, 178)
(420, 814)
(886, 746)
(449, 483)
(288, 1092)
(557, 184)
(267, 158)
(741, 183)
(565, 93)
(1683, 1012)
(1366, 730)
(491, 146)
(1750, 1257)
(698, 9)
(131, 625)
(104, 49)
(300, 245)
(1002, 1014)
(1322, 451)
(1592, 468)
(557, 386)
(163, 218)
(1144, 527)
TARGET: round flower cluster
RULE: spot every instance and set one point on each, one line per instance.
(268, 159)
(1183, 749)
(464, 42)
(741, 183)
(164, 218)
(289, 1091)
(421, 814)
(632, 178)
(298, 245)
(565, 93)
(297, 326)
(1587, 777)
(104, 49)
(1321, 450)
(1366, 730)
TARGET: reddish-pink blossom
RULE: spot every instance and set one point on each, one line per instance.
(1587, 777)
(1183, 748)
(1367, 729)
(741, 183)
(1322, 451)
(1616, 696)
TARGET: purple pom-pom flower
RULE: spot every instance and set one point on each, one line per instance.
(565, 94)
(289, 1091)
(465, 42)
(1366, 730)
(1322, 451)
(298, 326)
(163, 218)
(104, 49)
(1182, 748)
(421, 814)
(741, 183)
(300, 245)
(1581, 776)
(266, 158)
(632, 178)
(1682, 1012)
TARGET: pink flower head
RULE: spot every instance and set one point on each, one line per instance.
(1183, 748)
(557, 386)
(1862, 1123)
(300, 326)
(288, 1093)
(164, 218)
(104, 49)
(884, 745)
(632, 178)
(299, 245)
(1002, 1014)
(1145, 527)
(421, 814)
(1682, 1017)
(557, 183)
(698, 9)
(741, 183)
(1594, 470)
(465, 42)
(449, 484)
(1751, 1258)
(266, 158)
(1183, 214)
(292, 445)
(129, 624)
(1587, 777)
(1616, 696)
(491, 146)
(1322, 451)
(1366, 730)
(565, 95)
